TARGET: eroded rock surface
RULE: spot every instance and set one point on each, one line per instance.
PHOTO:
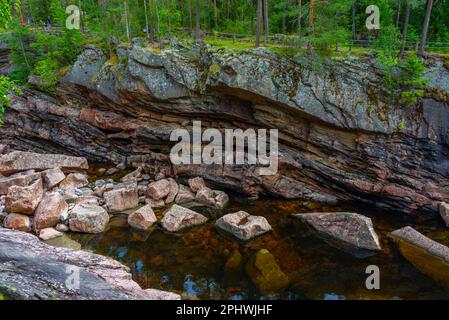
(31, 269)
(178, 218)
(339, 138)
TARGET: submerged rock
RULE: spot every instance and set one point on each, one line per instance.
(31, 269)
(348, 231)
(428, 256)
(21, 161)
(264, 272)
(88, 218)
(233, 268)
(24, 199)
(143, 218)
(243, 226)
(178, 218)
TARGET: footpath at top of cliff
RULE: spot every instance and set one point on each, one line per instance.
(341, 92)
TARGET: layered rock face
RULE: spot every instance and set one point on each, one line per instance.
(339, 139)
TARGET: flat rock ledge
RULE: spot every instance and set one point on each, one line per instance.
(427, 255)
(31, 269)
(350, 232)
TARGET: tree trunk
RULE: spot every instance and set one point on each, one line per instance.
(259, 22)
(147, 27)
(158, 22)
(128, 29)
(425, 29)
(198, 22)
(150, 11)
(265, 20)
(299, 17)
(190, 17)
(398, 16)
(405, 30)
(81, 16)
(311, 16)
(353, 22)
(215, 14)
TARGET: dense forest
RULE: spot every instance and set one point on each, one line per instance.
(40, 43)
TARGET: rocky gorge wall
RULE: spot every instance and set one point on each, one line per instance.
(339, 139)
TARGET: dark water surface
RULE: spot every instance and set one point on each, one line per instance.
(192, 262)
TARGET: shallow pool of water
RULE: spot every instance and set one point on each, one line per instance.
(192, 262)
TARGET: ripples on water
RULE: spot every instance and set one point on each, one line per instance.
(192, 262)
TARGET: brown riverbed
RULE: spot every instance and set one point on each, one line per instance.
(193, 262)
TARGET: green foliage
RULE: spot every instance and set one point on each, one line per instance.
(6, 86)
(42, 54)
(6, 12)
(404, 77)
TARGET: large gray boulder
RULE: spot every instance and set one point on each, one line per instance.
(427, 255)
(348, 231)
(31, 269)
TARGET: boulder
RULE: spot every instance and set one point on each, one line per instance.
(142, 218)
(178, 218)
(265, 273)
(350, 232)
(155, 203)
(20, 179)
(205, 196)
(133, 176)
(52, 177)
(87, 199)
(49, 233)
(243, 226)
(124, 198)
(48, 212)
(74, 181)
(444, 212)
(17, 221)
(88, 218)
(185, 195)
(221, 199)
(214, 198)
(62, 227)
(24, 199)
(158, 190)
(21, 161)
(427, 255)
(174, 189)
(196, 184)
